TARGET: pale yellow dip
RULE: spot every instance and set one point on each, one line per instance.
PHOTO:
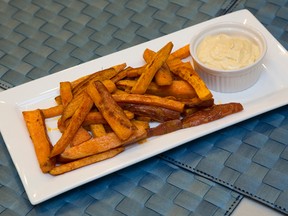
(227, 52)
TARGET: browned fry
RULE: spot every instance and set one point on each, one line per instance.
(163, 76)
(35, 123)
(105, 74)
(197, 102)
(182, 52)
(81, 136)
(165, 127)
(121, 75)
(198, 84)
(95, 117)
(135, 72)
(111, 111)
(155, 113)
(110, 85)
(190, 110)
(178, 88)
(53, 111)
(67, 167)
(58, 100)
(101, 144)
(152, 100)
(211, 114)
(65, 93)
(97, 130)
(75, 122)
(151, 68)
(141, 124)
(69, 110)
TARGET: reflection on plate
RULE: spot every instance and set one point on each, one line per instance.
(267, 94)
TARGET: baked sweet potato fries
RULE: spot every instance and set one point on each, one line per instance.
(101, 113)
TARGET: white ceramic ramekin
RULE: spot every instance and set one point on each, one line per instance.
(229, 81)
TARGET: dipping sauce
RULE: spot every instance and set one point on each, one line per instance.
(227, 52)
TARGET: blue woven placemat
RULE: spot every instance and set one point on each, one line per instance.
(250, 157)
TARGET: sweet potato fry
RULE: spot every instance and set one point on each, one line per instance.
(121, 75)
(211, 114)
(97, 130)
(37, 130)
(165, 127)
(155, 113)
(105, 74)
(178, 88)
(53, 111)
(101, 144)
(95, 117)
(182, 52)
(152, 100)
(65, 93)
(163, 76)
(198, 84)
(75, 122)
(135, 72)
(81, 136)
(110, 110)
(196, 102)
(110, 85)
(151, 68)
(67, 167)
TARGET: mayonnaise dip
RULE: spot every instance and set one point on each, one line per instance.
(226, 52)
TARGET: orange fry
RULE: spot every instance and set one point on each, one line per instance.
(37, 130)
(151, 68)
(182, 52)
(53, 111)
(110, 110)
(67, 167)
(152, 100)
(163, 76)
(65, 93)
(75, 122)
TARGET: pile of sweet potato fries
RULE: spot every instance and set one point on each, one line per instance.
(101, 113)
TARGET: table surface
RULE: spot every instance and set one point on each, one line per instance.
(38, 38)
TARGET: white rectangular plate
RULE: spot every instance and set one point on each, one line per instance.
(268, 93)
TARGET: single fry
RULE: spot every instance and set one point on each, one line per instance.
(110, 85)
(97, 130)
(81, 136)
(105, 74)
(67, 167)
(187, 73)
(110, 110)
(151, 68)
(211, 114)
(53, 111)
(165, 127)
(155, 113)
(177, 89)
(101, 144)
(163, 76)
(182, 52)
(37, 130)
(75, 122)
(95, 117)
(65, 93)
(152, 100)
(69, 110)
